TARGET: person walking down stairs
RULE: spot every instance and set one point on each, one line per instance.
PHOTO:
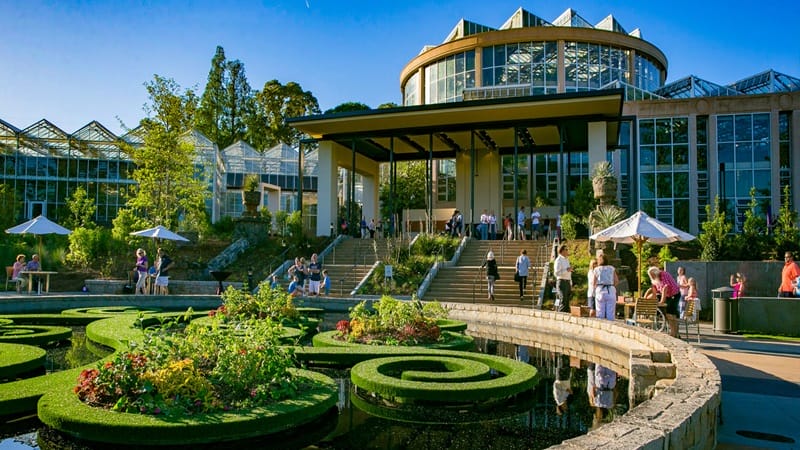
(522, 266)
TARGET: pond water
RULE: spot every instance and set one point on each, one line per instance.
(533, 422)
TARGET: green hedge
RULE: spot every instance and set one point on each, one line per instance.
(451, 341)
(16, 359)
(33, 334)
(451, 325)
(516, 377)
(61, 409)
(435, 369)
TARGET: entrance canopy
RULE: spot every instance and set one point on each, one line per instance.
(413, 132)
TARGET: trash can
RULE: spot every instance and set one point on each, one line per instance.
(725, 310)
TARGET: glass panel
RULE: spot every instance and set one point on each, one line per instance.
(649, 207)
(760, 127)
(646, 132)
(744, 181)
(647, 157)
(647, 186)
(744, 155)
(761, 181)
(663, 131)
(724, 128)
(664, 187)
(680, 155)
(681, 185)
(681, 214)
(680, 130)
(663, 158)
(744, 127)
(725, 153)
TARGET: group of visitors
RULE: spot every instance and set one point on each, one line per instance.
(152, 279)
(306, 279)
(19, 266)
(455, 224)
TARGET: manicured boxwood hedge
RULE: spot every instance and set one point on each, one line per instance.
(451, 341)
(516, 377)
(33, 334)
(61, 409)
(440, 369)
(17, 359)
(451, 325)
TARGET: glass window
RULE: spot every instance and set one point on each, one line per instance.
(647, 158)
(744, 127)
(647, 185)
(646, 132)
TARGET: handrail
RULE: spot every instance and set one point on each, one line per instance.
(363, 281)
(331, 248)
(477, 279)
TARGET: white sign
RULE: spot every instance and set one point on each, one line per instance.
(387, 271)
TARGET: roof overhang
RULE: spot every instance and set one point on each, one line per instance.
(531, 124)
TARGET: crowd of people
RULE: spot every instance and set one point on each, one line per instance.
(524, 227)
(307, 279)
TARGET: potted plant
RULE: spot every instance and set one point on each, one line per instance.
(604, 183)
(251, 196)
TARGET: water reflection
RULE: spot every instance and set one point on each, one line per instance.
(571, 398)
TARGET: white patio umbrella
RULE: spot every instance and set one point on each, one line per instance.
(39, 226)
(160, 232)
(638, 229)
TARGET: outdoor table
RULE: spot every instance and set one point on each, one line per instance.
(31, 273)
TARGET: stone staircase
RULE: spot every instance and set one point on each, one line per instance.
(350, 261)
(466, 281)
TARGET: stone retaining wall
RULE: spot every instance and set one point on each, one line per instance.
(176, 287)
(685, 385)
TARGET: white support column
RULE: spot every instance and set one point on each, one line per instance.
(370, 198)
(327, 201)
(597, 143)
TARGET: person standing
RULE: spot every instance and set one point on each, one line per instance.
(492, 225)
(535, 216)
(683, 284)
(315, 275)
(141, 270)
(458, 223)
(789, 274)
(371, 228)
(163, 264)
(363, 227)
(326, 282)
(563, 272)
(738, 285)
(492, 274)
(590, 285)
(667, 291)
(605, 292)
(522, 266)
(521, 223)
(484, 226)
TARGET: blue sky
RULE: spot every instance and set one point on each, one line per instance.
(76, 61)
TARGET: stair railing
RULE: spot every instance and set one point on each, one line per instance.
(477, 279)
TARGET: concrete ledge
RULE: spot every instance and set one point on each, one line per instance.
(770, 315)
(57, 303)
(684, 384)
(176, 287)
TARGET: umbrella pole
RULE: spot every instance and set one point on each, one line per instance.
(639, 273)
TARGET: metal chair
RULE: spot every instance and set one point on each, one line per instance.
(10, 278)
(690, 318)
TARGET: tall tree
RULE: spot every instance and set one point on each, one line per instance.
(167, 188)
(348, 107)
(409, 191)
(226, 103)
(81, 210)
(272, 106)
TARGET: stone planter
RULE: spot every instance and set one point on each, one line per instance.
(605, 189)
(251, 200)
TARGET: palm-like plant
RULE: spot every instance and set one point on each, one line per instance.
(604, 216)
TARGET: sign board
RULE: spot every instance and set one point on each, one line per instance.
(387, 271)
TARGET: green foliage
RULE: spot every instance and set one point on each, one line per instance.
(665, 256)
(227, 103)
(392, 322)
(433, 244)
(251, 182)
(541, 201)
(751, 244)
(713, 239)
(178, 372)
(81, 210)
(281, 218)
(583, 202)
(348, 107)
(266, 303)
(266, 217)
(569, 224)
(166, 185)
(409, 189)
(294, 224)
(604, 216)
(7, 206)
(125, 223)
(787, 234)
(86, 244)
(224, 226)
(273, 104)
(603, 169)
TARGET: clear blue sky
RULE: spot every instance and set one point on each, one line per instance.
(76, 61)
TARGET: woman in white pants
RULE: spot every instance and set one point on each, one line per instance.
(605, 291)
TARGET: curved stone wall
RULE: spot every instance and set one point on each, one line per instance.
(675, 391)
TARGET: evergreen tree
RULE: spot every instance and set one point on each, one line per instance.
(348, 107)
(227, 102)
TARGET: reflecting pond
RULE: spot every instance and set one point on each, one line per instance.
(532, 421)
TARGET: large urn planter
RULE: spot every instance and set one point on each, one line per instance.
(605, 189)
(251, 200)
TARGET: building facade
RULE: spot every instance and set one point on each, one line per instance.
(43, 165)
(679, 145)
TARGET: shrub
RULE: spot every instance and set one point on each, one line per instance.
(393, 322)
(266, 303)
(569, 224)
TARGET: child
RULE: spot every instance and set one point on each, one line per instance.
(274, 283)
(294, 287)
(326, 282)
(691, 296)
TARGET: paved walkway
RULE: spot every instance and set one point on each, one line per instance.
(760, 390)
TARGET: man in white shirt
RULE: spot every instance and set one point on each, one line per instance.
(521, 216)
(535, 215)
(563, 272)
(492, 225)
